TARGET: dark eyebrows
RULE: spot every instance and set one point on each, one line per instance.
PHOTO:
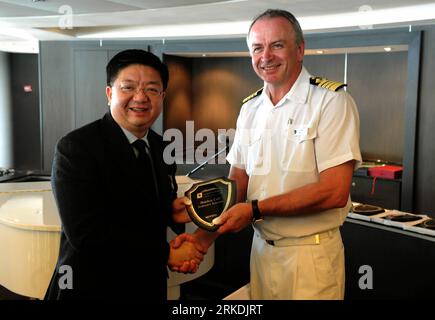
(157, 83)
(280, 41)
(127, 80)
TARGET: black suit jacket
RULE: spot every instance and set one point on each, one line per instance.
(113, 230)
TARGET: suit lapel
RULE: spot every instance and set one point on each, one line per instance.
(124, 160)
(118, 146)
(165, 173)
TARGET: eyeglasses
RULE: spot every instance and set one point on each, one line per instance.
(131, 89)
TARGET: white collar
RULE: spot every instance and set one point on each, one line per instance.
(297, 93)
(132, 138)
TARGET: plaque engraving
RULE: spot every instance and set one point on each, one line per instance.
(209, 200)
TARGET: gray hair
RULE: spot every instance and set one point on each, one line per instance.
(275, 13)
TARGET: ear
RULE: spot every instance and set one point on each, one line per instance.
(109, 94)
(163, 95)
(300, 51)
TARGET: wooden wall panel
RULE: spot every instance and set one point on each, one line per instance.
(57, 95)
(330, 66)
(90, 85)
(425, 164)
(219, 87)
(25, 109)
(377, 82)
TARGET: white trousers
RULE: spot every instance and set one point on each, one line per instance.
(298, 272)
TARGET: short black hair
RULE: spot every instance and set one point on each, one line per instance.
(276, 13)
(128, 57)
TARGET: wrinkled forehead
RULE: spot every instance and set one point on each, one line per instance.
(266, 30)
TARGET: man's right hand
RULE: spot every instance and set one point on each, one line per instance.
(185, 258)
(188, 266)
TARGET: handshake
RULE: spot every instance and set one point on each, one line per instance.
(186, 253)
(187, 250)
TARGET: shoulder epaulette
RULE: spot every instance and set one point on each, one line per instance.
(252, 96)
(327, 84)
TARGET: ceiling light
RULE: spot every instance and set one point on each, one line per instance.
(19, 46)
(387, 49)
(22, 33)
(363, 19)
(174, 31)
(319, 51)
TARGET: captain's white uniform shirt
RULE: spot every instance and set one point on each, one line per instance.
(286, 146)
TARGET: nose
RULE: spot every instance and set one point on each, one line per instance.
(140, 95)
(267, 54)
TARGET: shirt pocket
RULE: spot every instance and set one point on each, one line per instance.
(298, 153)
(257, 154)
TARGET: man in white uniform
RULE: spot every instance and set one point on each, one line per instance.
(294, 152)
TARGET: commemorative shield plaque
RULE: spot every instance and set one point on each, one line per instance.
(209, 200)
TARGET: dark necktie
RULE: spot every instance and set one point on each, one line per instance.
(145, 161)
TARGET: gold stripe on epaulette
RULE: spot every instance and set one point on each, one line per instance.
(327, 84)
(252, 96)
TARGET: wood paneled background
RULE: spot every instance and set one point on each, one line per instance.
(69, 77)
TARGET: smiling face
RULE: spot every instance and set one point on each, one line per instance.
(275, 55)
(130, 105)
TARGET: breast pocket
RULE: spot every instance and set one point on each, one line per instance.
(258, 154)
(298, 149)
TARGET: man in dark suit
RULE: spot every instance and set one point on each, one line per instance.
(115, 198)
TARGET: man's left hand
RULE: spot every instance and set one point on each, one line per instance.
(179, 213)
